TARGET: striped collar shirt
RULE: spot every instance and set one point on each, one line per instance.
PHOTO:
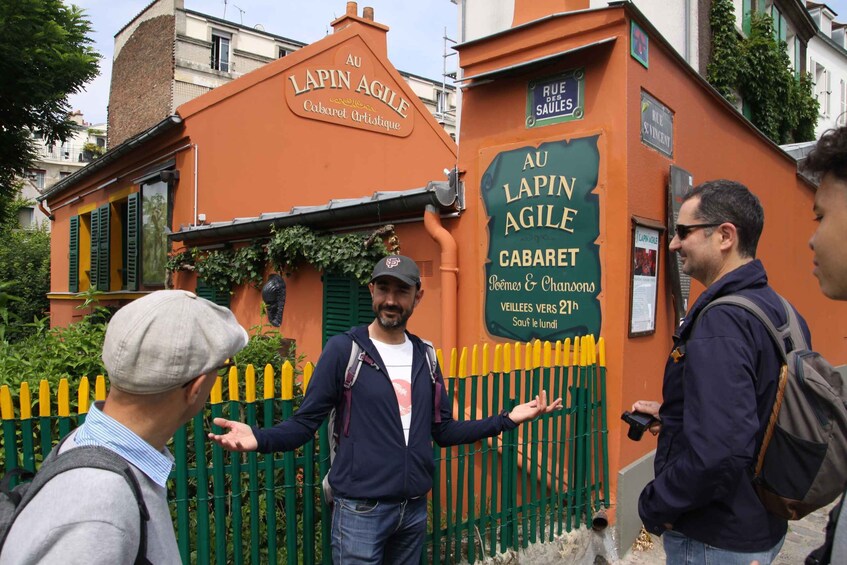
(100, 429)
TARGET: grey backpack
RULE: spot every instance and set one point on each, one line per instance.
(14, 500)
(351, 374)
(802, 464)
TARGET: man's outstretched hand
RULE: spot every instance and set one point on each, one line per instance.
(534, 408)
(238, 436)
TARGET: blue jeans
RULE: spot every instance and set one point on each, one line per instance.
(682, 550)
(372, 531)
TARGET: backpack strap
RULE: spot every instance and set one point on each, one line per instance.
(90, 457)
(791, 330)
(432, 362)
(351, 375)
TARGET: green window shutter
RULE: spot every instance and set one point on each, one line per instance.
(783, 28)
(103, 221)
(132, 236)
(211, 293)
(73, 256)
(746, 8)
(94, 249)
(346, 303)
(777, 21)
(798, 64)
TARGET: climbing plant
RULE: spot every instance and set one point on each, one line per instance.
(352, 254)
(758, 69)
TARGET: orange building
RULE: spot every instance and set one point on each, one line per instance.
(570, 124)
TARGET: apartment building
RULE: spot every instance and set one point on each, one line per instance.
(168, 55)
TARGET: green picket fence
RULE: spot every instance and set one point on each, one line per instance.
(531, 484)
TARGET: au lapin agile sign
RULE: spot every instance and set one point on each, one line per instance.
(543, 270)
(350, 87)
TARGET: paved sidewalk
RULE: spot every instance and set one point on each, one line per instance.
(803, 536)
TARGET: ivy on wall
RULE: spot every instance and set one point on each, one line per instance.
(757, 68)
(352, 254)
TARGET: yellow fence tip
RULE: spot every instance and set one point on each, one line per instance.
(601, 348)
(83, 396)
(463, 363)
(507, 358)
(250, 383)
(454, 362)
(287, 381)
(268, 376)
(475, 360)
(216, 396)
(548, 354)
(44, 398)
(25, 401)
(232, 383)
(486, 352)
(7, 411)
(308, 371)
(100, 388)
(517, 359)
(63, 400)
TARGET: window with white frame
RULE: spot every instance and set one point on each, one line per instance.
(282, 53)
(220, 50)
(37, 177)
(26, 217)
(842, 114)
(441, 101)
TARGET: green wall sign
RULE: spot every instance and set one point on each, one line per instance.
(542, 278)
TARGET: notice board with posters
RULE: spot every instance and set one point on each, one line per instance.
(542, 276)
(680, 182)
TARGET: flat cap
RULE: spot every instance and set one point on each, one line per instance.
(167, 338)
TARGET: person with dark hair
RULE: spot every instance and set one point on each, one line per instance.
(719, 388)
(827, 163)
(383, 467)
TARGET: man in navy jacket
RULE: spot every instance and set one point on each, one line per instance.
(719, 386)
(383, 467)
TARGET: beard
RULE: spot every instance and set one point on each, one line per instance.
(390, 323)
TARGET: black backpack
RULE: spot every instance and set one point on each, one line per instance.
(14, 500)
(802, 464)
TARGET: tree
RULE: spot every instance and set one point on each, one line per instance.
(45, 55)
(24, 275)
(757, 67)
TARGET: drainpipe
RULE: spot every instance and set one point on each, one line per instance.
(44, 211)
(449, 278)
(196, 150)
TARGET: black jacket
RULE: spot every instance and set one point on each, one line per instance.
(717, 399)
(374, 462)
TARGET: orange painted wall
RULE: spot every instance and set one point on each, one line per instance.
(256, 155)
(710, 140)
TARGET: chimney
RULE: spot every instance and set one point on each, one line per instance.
(368, 27)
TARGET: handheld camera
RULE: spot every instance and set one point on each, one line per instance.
(638, 422)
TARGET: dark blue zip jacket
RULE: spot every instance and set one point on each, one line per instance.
(374, 462)
(717, 399)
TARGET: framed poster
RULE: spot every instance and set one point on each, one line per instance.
(680, 182)
(639, 43)
(646, 237)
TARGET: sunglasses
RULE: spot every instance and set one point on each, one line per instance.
(682, 230)
(226, 365)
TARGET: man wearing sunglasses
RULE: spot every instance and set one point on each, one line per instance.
(719, 387)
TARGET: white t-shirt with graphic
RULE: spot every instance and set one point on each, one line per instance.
(398, 366)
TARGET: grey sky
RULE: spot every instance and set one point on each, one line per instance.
(415, 39)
